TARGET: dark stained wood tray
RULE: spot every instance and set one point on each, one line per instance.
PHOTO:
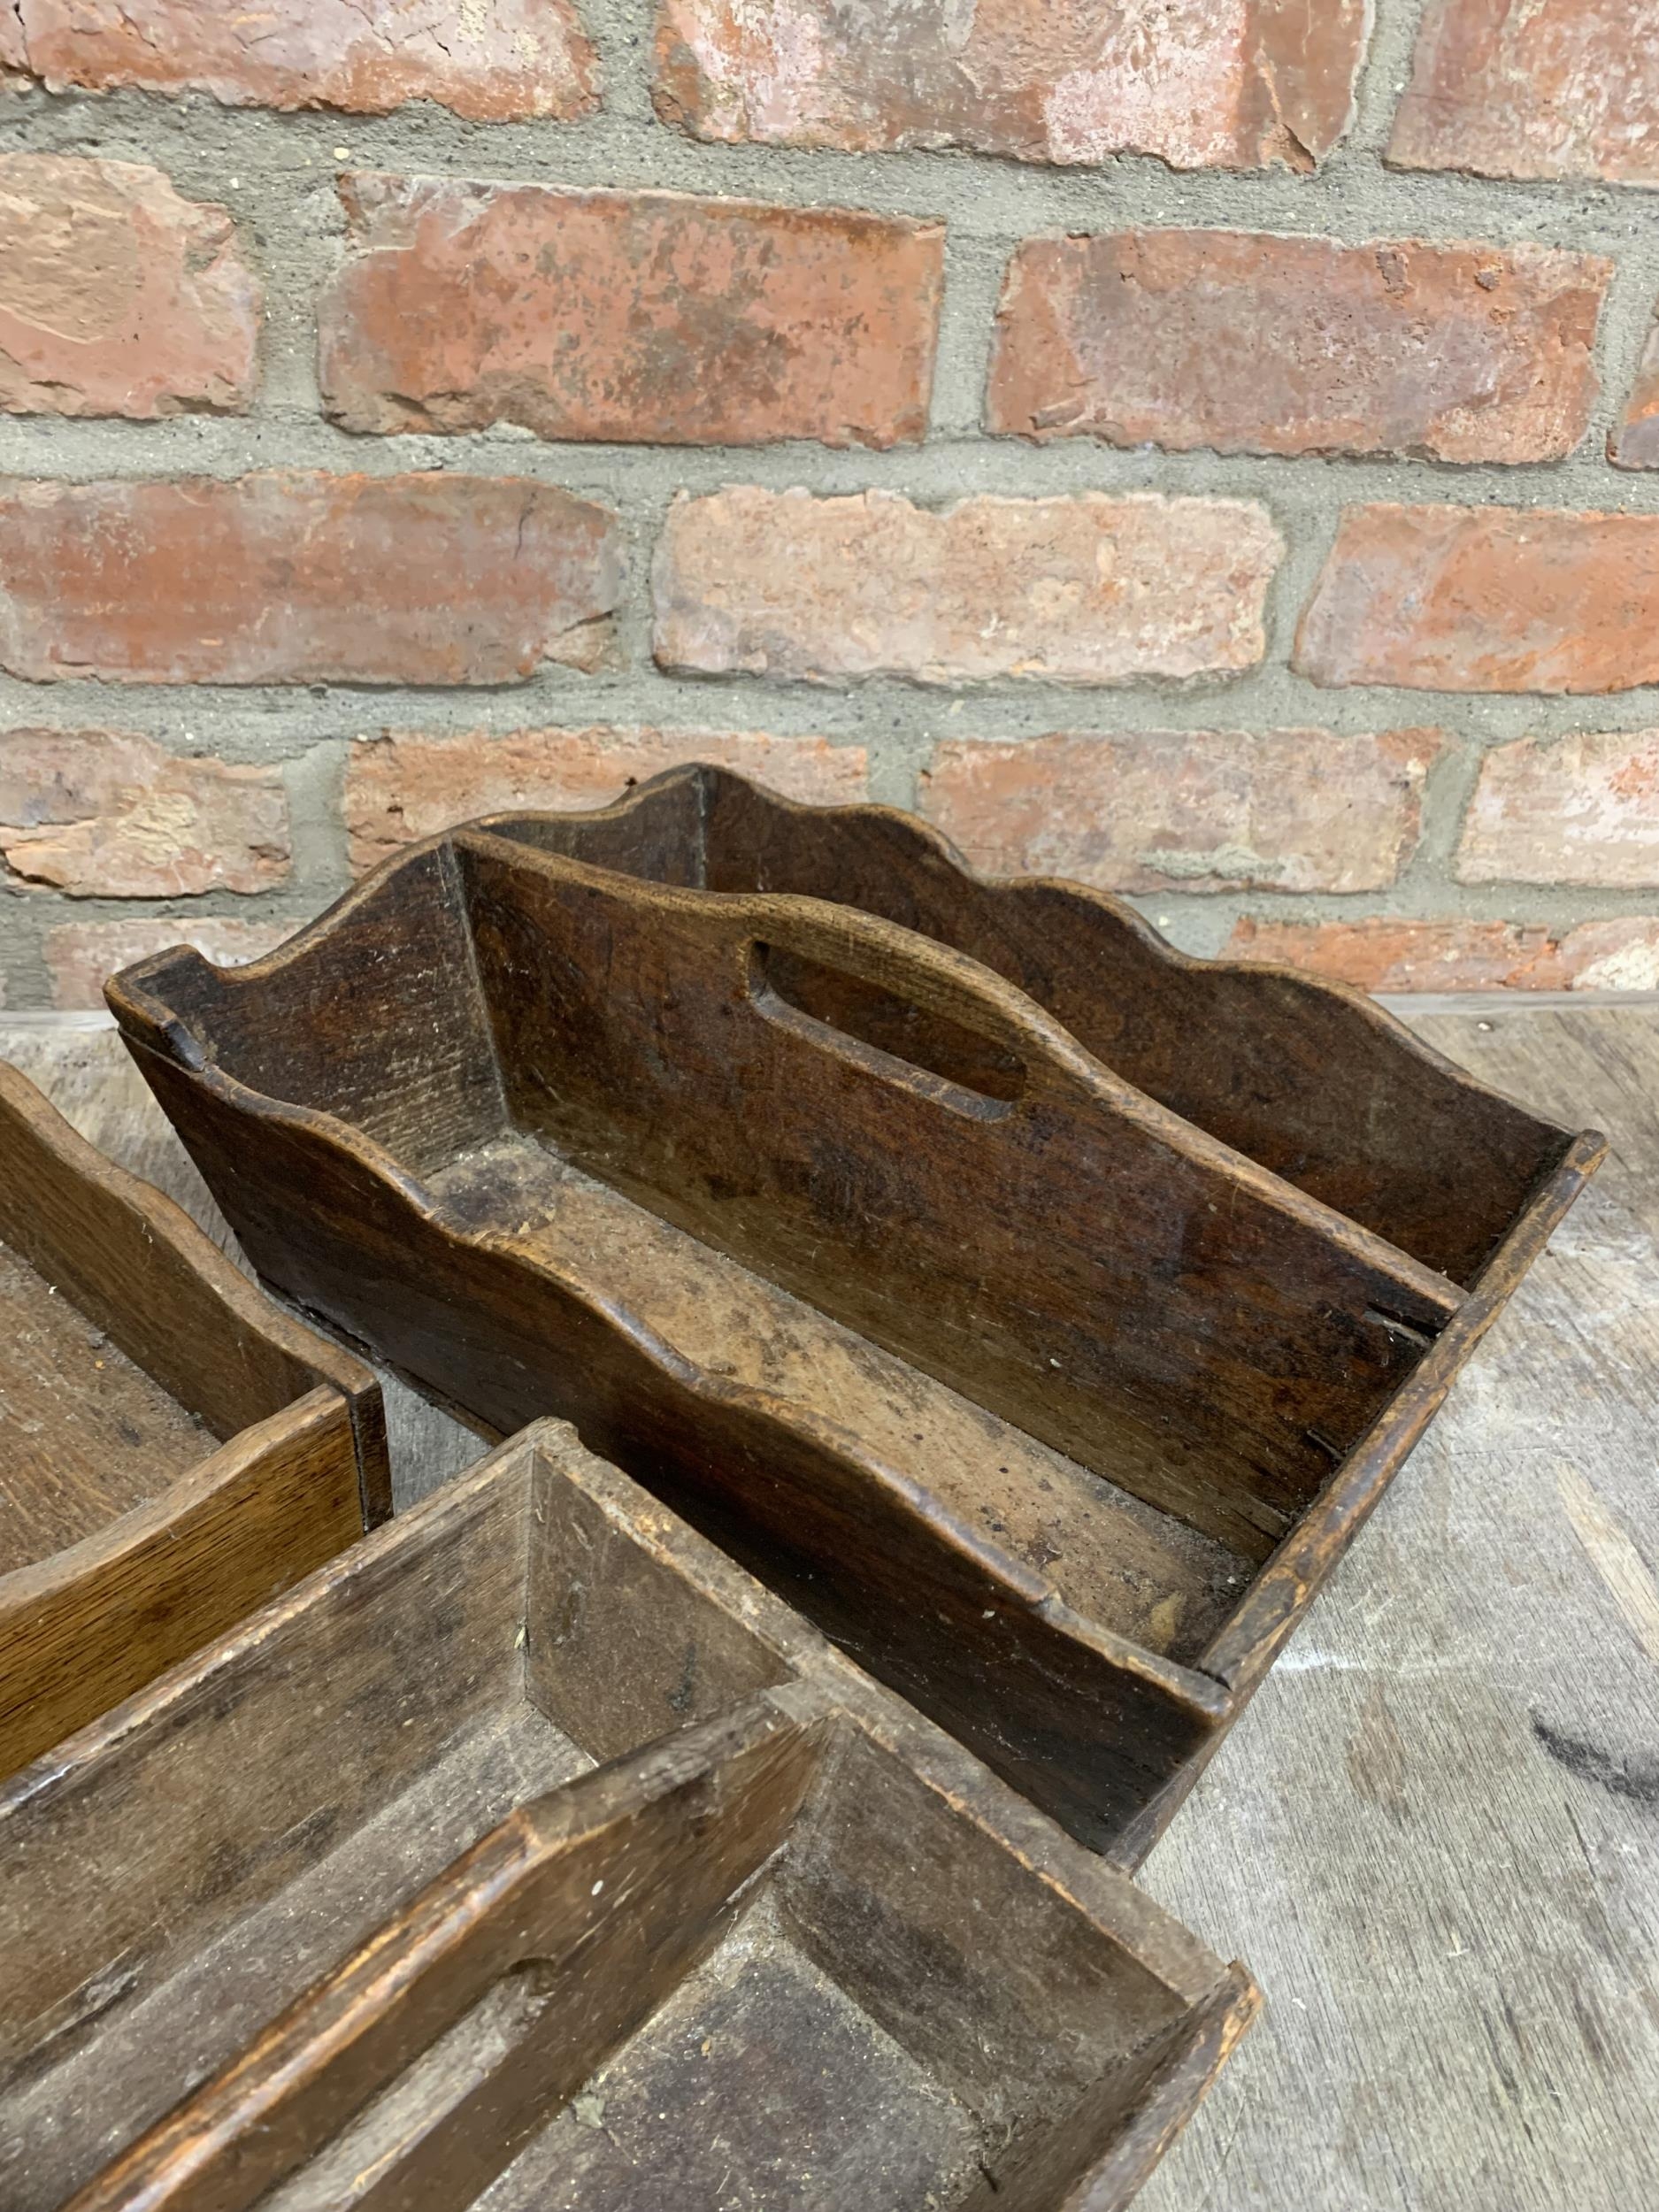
(805, 1951)
(973, 1275)
(174, 1450)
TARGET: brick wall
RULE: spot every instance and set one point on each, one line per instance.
(1168, 446)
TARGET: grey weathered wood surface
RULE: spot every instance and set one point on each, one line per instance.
(1436, 1834)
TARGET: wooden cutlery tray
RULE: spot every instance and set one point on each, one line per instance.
(971, 1276)
(351, 1881)
(174, 1450)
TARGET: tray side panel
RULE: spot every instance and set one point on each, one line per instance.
(81, 1631)
(1094, 2156)
(623, 1643)
(373, 1015)
(138, 1267)
(1000, 1985)
(118, 1252)
(85, 1434)
(1243, 1650)
(159, 1824)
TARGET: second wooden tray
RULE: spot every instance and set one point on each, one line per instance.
(174, 1450)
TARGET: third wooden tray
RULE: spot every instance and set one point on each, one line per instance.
(728, 1924)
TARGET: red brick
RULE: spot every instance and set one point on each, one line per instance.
(1085, 590)
(634, 316)
(1394, 956)
(1618, 954)
(106, 815)
(117, 297)
(1486, 599)
(1634, 444)
(1190, 811)
(492, 63)
(1257, 345)
(405, 785)
(1553, 88)
(1580, 809)
(82, 955)
(1233, 84)
(302, 578)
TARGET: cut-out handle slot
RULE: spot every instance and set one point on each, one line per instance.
(841, 1005)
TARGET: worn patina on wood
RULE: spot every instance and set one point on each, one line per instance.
(971, 1265)
(1461, 1735)
(174, 1450)
(792, 1942)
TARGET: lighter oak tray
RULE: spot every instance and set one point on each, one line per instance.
(172, 1449)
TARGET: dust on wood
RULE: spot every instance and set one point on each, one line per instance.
(87, 1432)
(692, 1970)
(629, 1133)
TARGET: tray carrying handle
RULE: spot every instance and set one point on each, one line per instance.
(955, 1057)
(973, 1015)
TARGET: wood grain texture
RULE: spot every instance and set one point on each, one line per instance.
(82, 1629)
(174, 1449)
(78, 1061)
(1090, 1726)
(1047, 1403)
(603, 1898)
(1081, 1262)
(1312, 1081)
(1442, 1853)
(1108, 1554)
(281, 1811)
(89, 1433)
(1386, 2076)
(137, 1268)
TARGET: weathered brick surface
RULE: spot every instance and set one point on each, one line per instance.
(405, 785)
(1486, 599)
(1634, 444)
(1202, 83)
(629, 315)
(449, 315)
(1084, 590)
(1552, 88)
(297, 578)
(1257, 344)
(118, 296)
(108, 815)
(1192, 811)
(82, 955)
(1618, 954)
(1580, 809)
(509, 59)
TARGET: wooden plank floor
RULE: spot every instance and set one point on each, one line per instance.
(1435, 1833)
